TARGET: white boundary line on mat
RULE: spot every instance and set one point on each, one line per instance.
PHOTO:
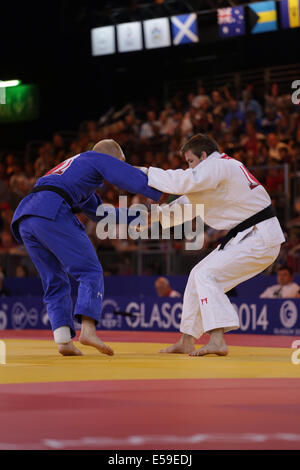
(103, 442)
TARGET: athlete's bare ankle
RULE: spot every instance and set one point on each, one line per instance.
(88, 326)
(187, 339)
(217, 337)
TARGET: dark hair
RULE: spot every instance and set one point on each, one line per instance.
(286, 268)
(200, 143)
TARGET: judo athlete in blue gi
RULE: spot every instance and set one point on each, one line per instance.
(58, 244)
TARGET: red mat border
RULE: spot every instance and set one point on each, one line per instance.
(264, 341)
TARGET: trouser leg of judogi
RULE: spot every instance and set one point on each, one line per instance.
(67, 240)
(205, 305)
(55, 281)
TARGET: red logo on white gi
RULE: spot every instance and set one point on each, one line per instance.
(204, 300)
(253, 182)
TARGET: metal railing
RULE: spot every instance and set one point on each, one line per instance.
(261, 78)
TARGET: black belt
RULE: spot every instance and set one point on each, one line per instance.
(265, 214)
(57, 190)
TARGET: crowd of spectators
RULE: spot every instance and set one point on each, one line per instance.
(262, 131)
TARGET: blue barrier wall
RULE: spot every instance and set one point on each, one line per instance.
(259, 316)
(141, 285)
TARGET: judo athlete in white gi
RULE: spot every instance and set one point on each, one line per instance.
(58, 244)
(233, 200)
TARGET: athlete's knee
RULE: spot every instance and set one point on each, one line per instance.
(93, 274)
(193, 273)
(92, 281)
(204, 275)
(57, 288)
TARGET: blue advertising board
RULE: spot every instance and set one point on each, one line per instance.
(257, 316)
(140, 286)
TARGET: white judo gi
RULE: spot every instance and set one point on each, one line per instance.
(230, 195)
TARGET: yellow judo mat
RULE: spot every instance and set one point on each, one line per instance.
(38, 361)
(141, 399)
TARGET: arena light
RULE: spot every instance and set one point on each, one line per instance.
(9, 83)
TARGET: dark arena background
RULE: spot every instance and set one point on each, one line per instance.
(71, 76)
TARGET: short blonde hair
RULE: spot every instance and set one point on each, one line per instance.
(109, 147)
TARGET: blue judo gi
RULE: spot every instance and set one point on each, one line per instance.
(56, 240)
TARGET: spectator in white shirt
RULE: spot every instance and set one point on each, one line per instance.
(200, 98)
(150, 127)
(167, 124)
(285, 288)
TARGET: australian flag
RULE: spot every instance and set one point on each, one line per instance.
(231, 21)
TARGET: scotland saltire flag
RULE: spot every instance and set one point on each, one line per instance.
(290, 13)
(231, 21)
(262, 17)
(184, 29)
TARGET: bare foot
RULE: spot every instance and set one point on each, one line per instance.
(211, 349)
(69, 349)
(184, 346)
(93, 340)
(178, 348)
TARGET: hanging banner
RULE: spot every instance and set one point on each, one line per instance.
(262, 17)
(184, 29)
(231, 22)
(103, 40)
(130, 36)
(157, 33)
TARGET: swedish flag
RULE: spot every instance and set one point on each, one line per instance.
(290, 13)
(263, 17)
